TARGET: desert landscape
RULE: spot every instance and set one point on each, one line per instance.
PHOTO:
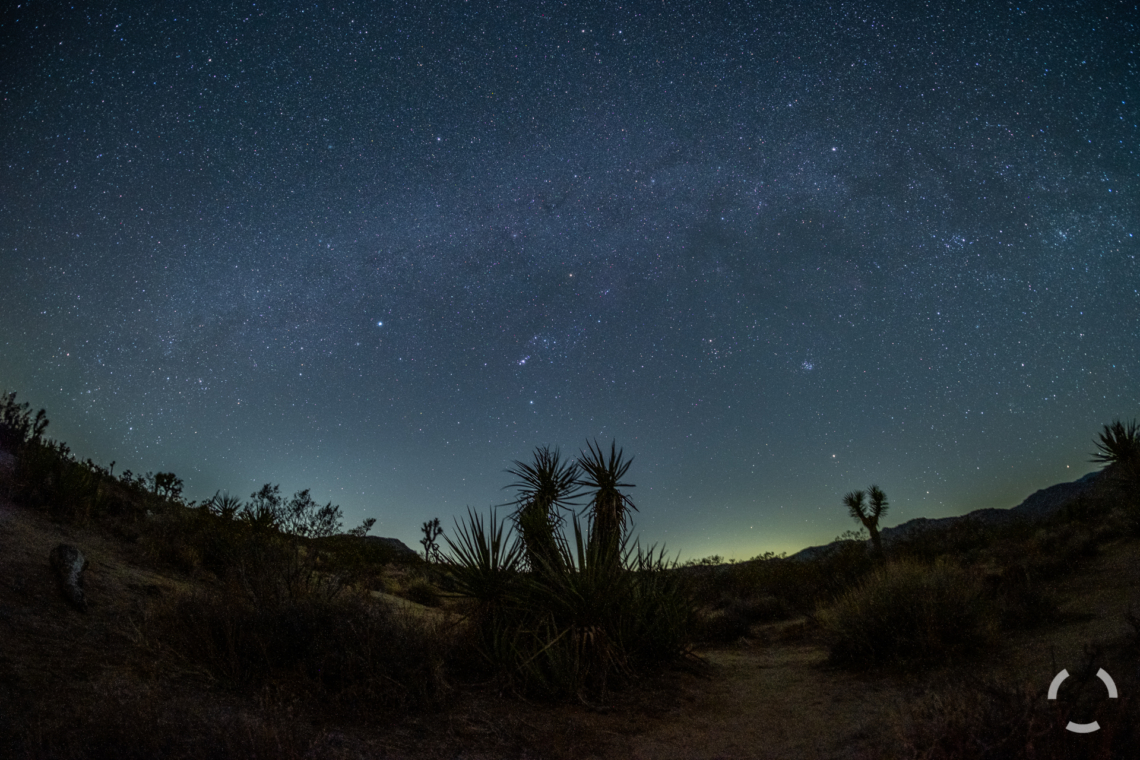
(212, 631)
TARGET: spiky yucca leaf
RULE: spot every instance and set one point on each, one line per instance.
(482, 559)
(879, 503)
(595, 606)
(1119, 444)
(853, 500)
(224, 506)
(609, 508)
(544, 487)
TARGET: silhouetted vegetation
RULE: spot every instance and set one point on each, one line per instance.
(17, 425)
(869, 515)
(545, 488)
(432, 531)
(568, 613)
(1118, 449)
(967, 715)
(348, 650)
(906, 612)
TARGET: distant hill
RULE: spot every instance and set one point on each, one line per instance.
(1039, 505)
(394, 544)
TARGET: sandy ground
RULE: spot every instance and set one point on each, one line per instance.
(772, 702)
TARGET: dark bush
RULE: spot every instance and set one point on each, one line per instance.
(17, 425)
(990, 718)
(349, 647)
(1021, 602)
(910, 613)
(422, 592)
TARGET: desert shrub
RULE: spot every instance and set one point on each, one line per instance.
(732, 618)
(961, 538)
(774, 587)
(802, 586)
(194, 539)
(1020, 601)
(422, 592)
(268, 567)
(128, 720)
(723, 626)
(246, 545)
(1053, 550)
(17, 425)
(910, 613)
(349, 648)
(991, 718)
(1087, 509)
(44, 478)
(48, 477)
(759, 609)
(346, 552)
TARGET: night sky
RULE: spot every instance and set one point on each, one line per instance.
(778, 251)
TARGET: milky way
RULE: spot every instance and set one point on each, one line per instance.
(381, 251)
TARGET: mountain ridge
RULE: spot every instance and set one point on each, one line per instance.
(1038, 505)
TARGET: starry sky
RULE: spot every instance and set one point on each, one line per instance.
(777, 251)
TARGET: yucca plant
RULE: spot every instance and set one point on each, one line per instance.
(578, 603)
(587, 622)
(223, 505)
(609, 507)
(595, 606)
(1119, 444)
(1119, 451)
(661, 611)
(544, 487)
(484, 559)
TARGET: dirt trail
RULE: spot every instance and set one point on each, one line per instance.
(771, 702)
(775, 700)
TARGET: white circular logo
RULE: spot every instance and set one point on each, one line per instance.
(1082, 728)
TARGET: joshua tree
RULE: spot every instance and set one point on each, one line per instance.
(869, 517)
(544, 487)
(168, 485)
(432, 531)
(609, 507)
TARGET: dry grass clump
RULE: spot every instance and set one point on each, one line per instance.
(125, 720)
(774, 587)
(909, 613)
(423, 592)
(348, 650)
(732, 618)
(991, 718)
